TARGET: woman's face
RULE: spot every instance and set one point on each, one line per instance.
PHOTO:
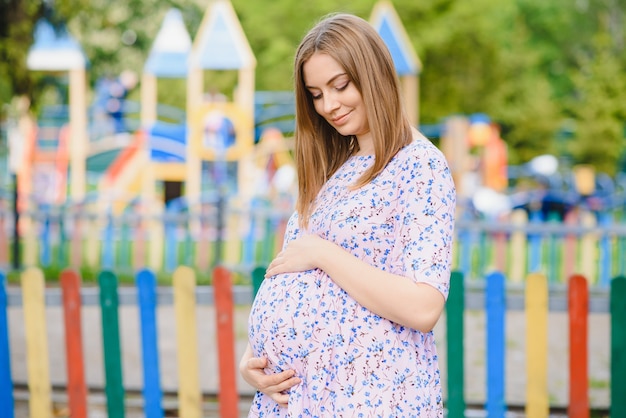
(335, 96)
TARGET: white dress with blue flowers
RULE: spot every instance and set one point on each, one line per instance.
(352, 362)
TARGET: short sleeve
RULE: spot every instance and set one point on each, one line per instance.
(426, 208)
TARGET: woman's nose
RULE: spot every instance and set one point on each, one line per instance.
(330, 103)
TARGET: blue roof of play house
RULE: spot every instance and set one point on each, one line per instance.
(221, 52)
(221, 43)
(389, 27)
(54, 49)
(167, 64)
(404, 66)
(47, 37)
(172, 46)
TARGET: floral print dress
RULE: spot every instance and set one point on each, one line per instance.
(352, 362)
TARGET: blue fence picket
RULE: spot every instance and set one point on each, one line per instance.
(171, 246)
(6, 384)
(249, 245)
(605, 219)
(147, 301)
(534, 244)
(44, 253)
(107, 244)
(495, 307)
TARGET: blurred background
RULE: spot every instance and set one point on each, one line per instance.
(550, 73)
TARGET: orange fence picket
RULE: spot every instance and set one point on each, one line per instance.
(224, 310)
(578, 304)
(76, 386)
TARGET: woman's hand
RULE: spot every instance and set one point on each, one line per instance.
(300, 254)
(273, 385)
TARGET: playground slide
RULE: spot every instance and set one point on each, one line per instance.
(123, 177)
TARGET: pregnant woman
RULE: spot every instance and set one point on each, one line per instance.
(342, 324)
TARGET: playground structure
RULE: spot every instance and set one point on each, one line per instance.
(130, 165)
(188, 161)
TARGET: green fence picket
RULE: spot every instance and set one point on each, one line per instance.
(114, 387)
(618, 347)
(258, 274)
(454, 330)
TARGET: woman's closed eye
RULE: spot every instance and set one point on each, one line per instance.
(340, 87)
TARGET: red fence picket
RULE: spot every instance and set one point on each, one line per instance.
(76, 387)
(578, 304)
(224, 311)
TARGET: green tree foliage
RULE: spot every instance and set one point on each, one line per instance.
(599, 109)
(274, 29)
(16, 26)
(580, 47)
(17, 22)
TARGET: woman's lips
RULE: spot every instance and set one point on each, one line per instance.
(341, 120)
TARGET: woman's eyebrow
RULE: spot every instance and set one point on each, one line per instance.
(328, 82)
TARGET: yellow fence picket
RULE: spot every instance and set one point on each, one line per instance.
(189, 394)
(33, 298)
(537, 402)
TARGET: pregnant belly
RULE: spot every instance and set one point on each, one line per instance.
(294, 315)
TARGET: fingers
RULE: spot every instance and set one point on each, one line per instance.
(279, 391)
(281, 399)
(268, 383)
(278, 382)
(256, 363)
(285, 385)
(274, 385)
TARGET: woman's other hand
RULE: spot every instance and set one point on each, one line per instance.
(273, 385)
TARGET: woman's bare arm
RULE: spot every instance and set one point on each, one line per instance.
(397, 298)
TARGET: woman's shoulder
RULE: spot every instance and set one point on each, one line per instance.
(421, 147)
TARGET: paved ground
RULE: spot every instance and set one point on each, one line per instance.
(97, 406)
(599, 362)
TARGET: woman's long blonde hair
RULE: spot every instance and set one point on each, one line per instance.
(319, 149)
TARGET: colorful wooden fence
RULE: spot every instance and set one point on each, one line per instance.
(591, 244)
(536, 306)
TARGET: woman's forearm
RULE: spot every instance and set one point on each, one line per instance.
(397, 298)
